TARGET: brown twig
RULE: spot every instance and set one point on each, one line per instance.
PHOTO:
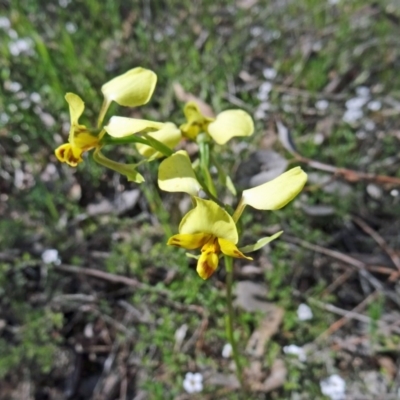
(347, 174)
(379, 239)
(347, 315)
(361, 267)
(95, 273)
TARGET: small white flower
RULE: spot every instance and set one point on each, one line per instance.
(13, 87)
(351, 116)
(394, 192)
(356, 103)
(35, 97)
(50, 256)
(264, 90)
(296, 351)
(304, 312)
(369, 125)
(5, 23)
(322, 105)
(362, 91)
(193, 382)
(319, 138)
(374, 105)
(333, 387)
(21, 46)
(227, 350)
(70, 27)
(269, 73)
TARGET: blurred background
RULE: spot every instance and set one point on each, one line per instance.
(94, 305)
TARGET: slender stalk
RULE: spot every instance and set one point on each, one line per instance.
(204, 149)
(103, 111)
(147, 140)
(229, 319)
(239, 210)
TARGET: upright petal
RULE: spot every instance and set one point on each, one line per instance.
(132, 89)
(275, 194)
(175, 174)
(169, 135)
(209, 217)
(120, 127)
(231, 123)
(76, 107)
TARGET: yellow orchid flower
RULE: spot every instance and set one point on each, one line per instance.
(210, 227)
(80, 139)
(131, 89)
(225, 126)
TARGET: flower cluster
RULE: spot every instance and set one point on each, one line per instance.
(209, 226)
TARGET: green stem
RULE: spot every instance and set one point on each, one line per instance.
(204, 148)
(239, 210)
(230, 318)
(147, 140)
(103, 111)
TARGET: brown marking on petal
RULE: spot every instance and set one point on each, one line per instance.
(206, 270)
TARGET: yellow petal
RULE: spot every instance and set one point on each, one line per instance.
(169, 135)
(175, 174)
(231, 123)
(76, 107)
(84, 140)
(208, 261)
(207, 264)
(230, 249)
(196, 121)
(189, 242)
(209, 217)
(275, 194)
(69, 154)
(132, 89)
(120, 127)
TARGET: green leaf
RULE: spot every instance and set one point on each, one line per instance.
(260, 243)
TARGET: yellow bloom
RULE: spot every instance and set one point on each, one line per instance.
(134, 88)
(210, 227)
(224, 127)
(80, 139)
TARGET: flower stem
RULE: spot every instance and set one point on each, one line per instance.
(230, 318)
(239, 210)
(204, 149)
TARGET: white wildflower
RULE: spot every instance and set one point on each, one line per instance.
(304, 312)
(227, 350)
(50, 256)
(264, 90)
(322, 105)
(333, 387)
(5, 23)
(374, 105)
(269, 73)
(351, 116)
(356, 103)
(193, 382)
(362, 91)
(296, 351)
